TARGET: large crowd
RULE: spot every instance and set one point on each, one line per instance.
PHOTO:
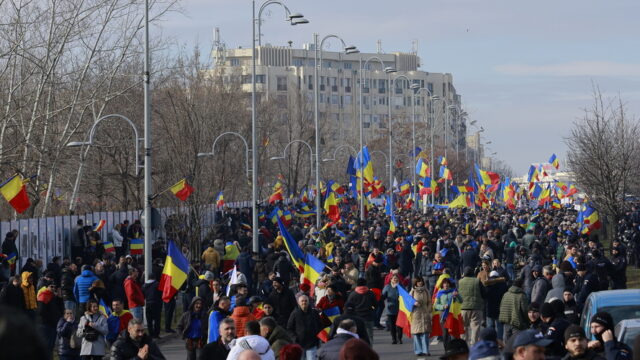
(488, 284)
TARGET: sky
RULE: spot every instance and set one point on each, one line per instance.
(526, 70)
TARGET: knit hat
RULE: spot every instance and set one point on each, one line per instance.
(573, 331)
(534, 306)
(356, 349)
(546, 310)
(604, 319)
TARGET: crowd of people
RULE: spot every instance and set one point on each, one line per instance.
(487, 283)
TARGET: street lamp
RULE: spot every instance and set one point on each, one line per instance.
(335, 152)
(284, 154)
(417, 89)
(88, 143)
(294, 18)
(232, 133)
(459, 117)
(318, 51)
(392, 86)
(360, 158)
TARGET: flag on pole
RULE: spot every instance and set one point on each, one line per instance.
(406, 304)
(136, 246)
(220, 200)
(182, 189)
(15, 192)
(174, 273)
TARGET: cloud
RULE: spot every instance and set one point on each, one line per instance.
(575, 68)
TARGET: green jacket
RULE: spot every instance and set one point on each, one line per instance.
(277, 339)
(470, 289)
(514, 308)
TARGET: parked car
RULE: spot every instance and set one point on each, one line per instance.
(627, 330)
(621, 304)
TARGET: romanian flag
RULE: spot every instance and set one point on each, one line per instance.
(406, 303)
(181, 189)
(462, 201)
(14, 190)
(331, 207)
(590, 218)
(331, 314)
(451, 318)
(553, 160)
(136, 246)
(277, 193)
(174, 273)
(11, 258)
(445, 173)
(340, 234)
(292, 247)
(104, 309)
(351, 166)
(220, 200)
(422, 169)
(487, 177)
(108, 246)
(392, 224)
(443, 160)
(328, 250)
(405, 188)
(336, 188)
(313, 267)
(533, 174)
(100, 225)
(364, 167)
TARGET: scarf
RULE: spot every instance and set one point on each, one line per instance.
(343, 331)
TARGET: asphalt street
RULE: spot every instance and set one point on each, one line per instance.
(174, 349)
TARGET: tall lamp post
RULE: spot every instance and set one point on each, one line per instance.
(318, 52)
(392, 86)
(294, 19)
(416, 89)
(284, 154)
(360, 159)
(459, 117)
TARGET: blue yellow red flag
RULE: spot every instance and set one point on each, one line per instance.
(174, 273)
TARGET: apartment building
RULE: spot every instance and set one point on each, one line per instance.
(286, 75)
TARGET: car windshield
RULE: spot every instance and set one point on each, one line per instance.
(622, 312)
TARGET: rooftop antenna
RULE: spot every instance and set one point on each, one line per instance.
(219, 48)
(414, 46)
(379, 42)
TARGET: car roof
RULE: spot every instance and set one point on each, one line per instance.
(615, 298)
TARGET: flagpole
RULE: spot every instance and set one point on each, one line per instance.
(147, 147)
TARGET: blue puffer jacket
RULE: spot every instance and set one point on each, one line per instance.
(82, 285)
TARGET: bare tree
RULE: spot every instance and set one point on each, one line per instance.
(603, 154)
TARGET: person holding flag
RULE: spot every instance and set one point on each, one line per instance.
(421, 317)
(446, 298)
(390, 295)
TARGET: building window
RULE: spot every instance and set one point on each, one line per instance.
(348, 100)
(430, 88)
(334, 99)
(326, 64)
(234, 62)
(298, 62)
(281, 83)
(348, 66)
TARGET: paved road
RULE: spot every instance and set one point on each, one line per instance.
(173, 349)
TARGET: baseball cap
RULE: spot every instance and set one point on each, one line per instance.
(531, 337)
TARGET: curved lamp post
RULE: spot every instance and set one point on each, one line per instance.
(232, 133)
(392, 86)
(89, 142)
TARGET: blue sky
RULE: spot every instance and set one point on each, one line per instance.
(525, 70)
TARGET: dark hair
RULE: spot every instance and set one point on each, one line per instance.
(252, 328)
(518, 282)
(347, 324)
(268, 322)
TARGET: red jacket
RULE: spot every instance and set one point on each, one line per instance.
(133, 290)
(325, 303)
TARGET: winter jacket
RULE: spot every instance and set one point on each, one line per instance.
(278, 338)
(444, 300)
(185, 321)
(373, 275)
(557, 288)
(97, 347)
(494, 294)
(135, 298)
(82, 285)
(126, 348)
(29, 292)
(67, 282)
(471, 290)
(588, 355)
(50, 308)
(421, 314)
(540, 289)
(64, 330)
(116, 281)
(116, 322)
(390, 294)
(204, 291)
(304, 326)
(12, 296)
(211, 258)
(241, 316)
(514, 308)
(362, 329)
(331, 349)
(283, 304)
(151, 293)
(588, 285)
(364, 302)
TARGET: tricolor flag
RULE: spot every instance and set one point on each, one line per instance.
(174, 273)
(553, 160)
(462, 201)
(11, 258)
(364, 167)
(99, 225)
(136, 246)
(405, 188)
(108, 246)
(487, 177)
(278, 190)
(331, 206)
(104, 309)
(313, 267)
(406, 304)
(331, 314)
(422, 169)
(297, 256)
(15, 192)
(182, 189)
(220, 200)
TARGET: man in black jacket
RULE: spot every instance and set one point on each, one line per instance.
(350, 313)
(67, 281)
(219, 349)
(283, 301)
(135, 344)
(347, 330)
(304, 325)
(153, 305)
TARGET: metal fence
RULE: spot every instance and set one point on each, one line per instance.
(44, 238)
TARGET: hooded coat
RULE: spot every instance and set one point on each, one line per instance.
(29, 292)
(278, 338)
(557, 288)
(185, 320)
(97, 347)
(12, 296)
(82, 285)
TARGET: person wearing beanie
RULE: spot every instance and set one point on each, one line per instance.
(586, 283)
(541, 285)
(533, 313)
(570, 307)
(472, 293)
(556, 326)
(356, 349)
(203, 288)
(606, 343)
(364, 302)
(575, 342)
(283, 301)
